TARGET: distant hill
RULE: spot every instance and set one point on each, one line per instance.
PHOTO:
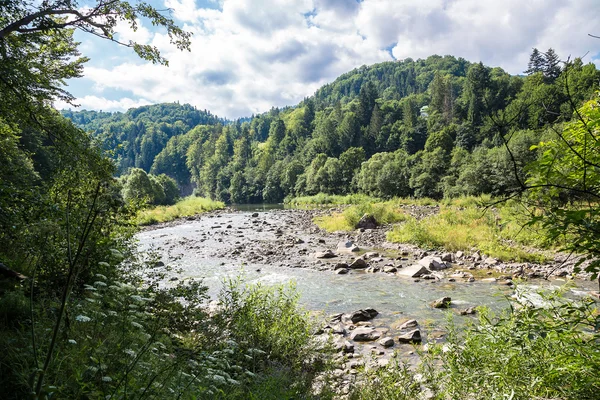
(433, 127)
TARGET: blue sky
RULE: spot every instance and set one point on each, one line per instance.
(250, 55)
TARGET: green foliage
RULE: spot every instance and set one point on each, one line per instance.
(567, 169)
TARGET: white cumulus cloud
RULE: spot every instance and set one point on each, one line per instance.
(250, 55)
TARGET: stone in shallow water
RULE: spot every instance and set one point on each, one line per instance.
(365, 334)
(413, 336)
(387, 342)
(414, 271)
(363, 315)
(443, 302)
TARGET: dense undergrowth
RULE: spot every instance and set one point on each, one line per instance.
(186, 207)
(127, 340)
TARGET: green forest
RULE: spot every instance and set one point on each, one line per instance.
(85, 315)
(427, 128)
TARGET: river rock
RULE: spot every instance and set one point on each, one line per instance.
(386, 342)
(447, 257)
(254, 215)
(459, 254)
(348, 247)
(468, 311)
(414, 271)
(342, 271)
(372, 270)
(363, 315)
(365, 334)
(413, 336)
(389, 269)
(443, 302)
(359, 263)
(348, 347)
(409, 325)
(370, 254)
(325, 254)
(367, 221)
(340, 266)
(433, 263)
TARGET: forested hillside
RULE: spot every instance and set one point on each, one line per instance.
(424, 128)
(135, 137)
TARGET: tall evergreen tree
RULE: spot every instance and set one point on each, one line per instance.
(536, 62)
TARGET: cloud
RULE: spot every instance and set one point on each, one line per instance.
(250, 55)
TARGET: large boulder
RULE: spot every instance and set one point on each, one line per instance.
(413, 336)
(367, 221)
(362, 315)
(414, 271)
(365, 334)
(433, 263)
(359, 263)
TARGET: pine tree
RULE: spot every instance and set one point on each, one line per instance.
(536, 62)
(551, 66)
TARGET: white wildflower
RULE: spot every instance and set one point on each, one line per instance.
(106, 379)
(99, 284)
(112, 313)
(233, 381)
(137, 298)
(137, 325)
(72, 341)
(88, 287)
(82, 318)
(129, 352)
(218, 379)
(100, 276)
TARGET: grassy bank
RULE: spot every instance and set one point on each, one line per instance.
(184, 208)
(497, 233)
(463, 223)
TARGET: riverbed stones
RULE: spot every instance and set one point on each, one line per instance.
(413, 336)
(340, 266)
(468, 311)
(386, 342)
(254, 215)
(443, 302)
(447, 257)
(325, 254)
(413, 271)
(365, 334)
(389, 269)
(342, 271)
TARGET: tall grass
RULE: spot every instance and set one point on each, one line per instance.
(330, 199)
(469, 229)
(184, 208)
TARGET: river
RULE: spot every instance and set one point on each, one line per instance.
(277, 246)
